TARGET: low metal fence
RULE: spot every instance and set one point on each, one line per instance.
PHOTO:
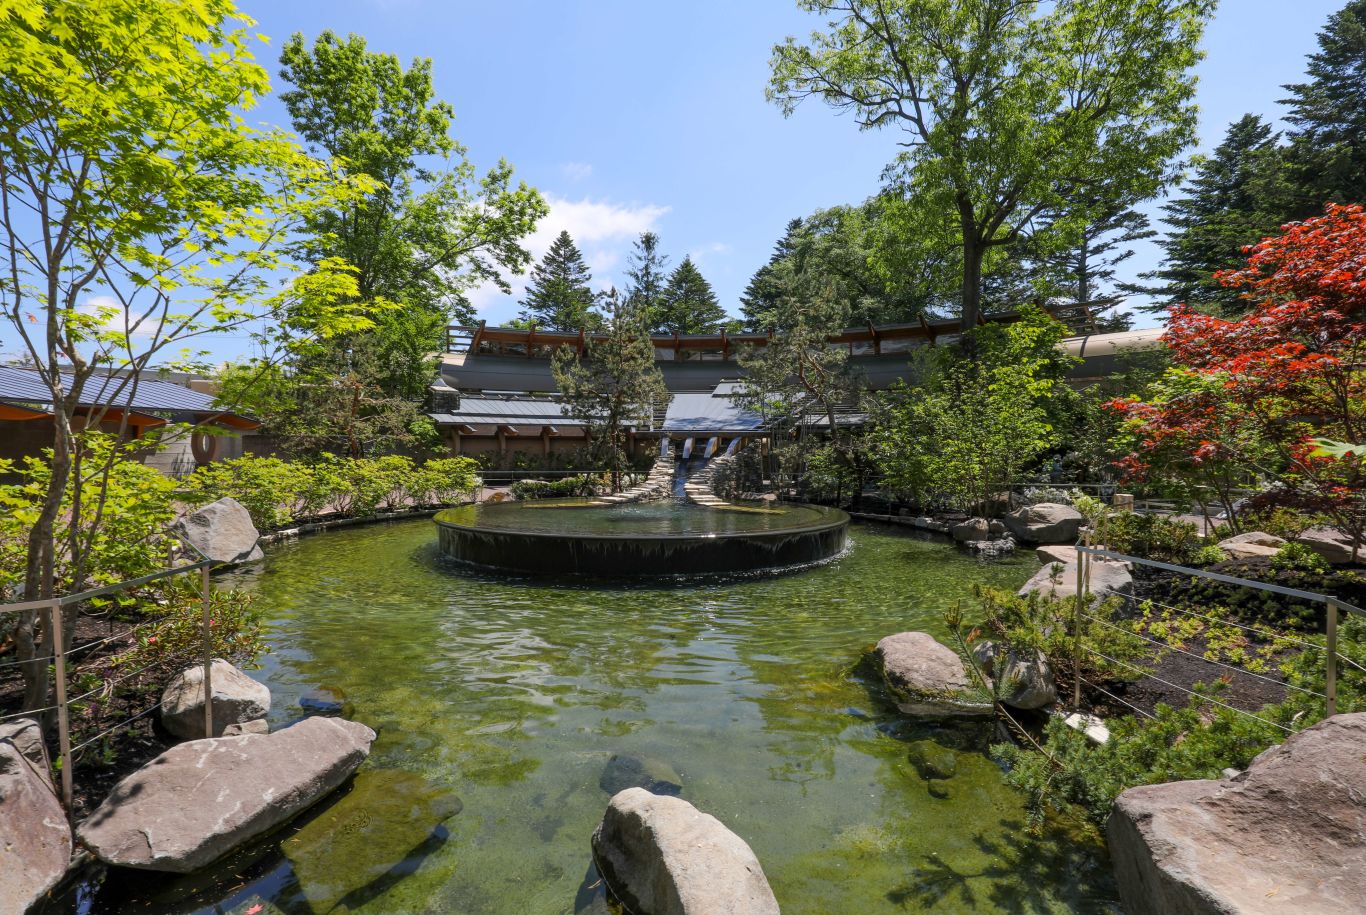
(64, 660)
(1333, 609)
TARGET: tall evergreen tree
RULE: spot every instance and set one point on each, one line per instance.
(759, 301)
(1237, 196)
(1328, 144)
(690, 305)
(648, 270)
(559, 297)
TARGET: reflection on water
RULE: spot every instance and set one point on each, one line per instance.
(512, 696)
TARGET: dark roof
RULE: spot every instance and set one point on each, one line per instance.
(526, 411)
(24, 385)
(708, 413)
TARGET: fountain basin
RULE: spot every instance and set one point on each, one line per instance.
(581, 537)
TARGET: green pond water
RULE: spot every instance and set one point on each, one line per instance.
(512, 695)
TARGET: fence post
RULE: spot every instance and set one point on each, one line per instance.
(1330, 682)
(1082, 559)
(206, 632)
(63, 720)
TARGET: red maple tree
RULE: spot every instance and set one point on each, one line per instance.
(1279, 393)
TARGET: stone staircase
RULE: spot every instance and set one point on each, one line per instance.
(657, 485)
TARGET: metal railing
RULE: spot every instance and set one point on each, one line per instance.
(1333, 607)
(61, 653)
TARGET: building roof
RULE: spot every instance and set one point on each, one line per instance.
(24, 385)
(711, 412)
(523, 411)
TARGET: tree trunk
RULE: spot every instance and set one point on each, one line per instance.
(972, 283)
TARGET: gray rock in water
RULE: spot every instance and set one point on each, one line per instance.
(35, 840)
(931, 761)
(381, 823)
(1287, 835)
(237, 698)
(1045, 522)
(927, 678)
(222, 531)
(971, 529)
(200, 800)
(258, 726)
(663, 856)
(1025, 682)
(627, 770)
(991, 549)
(325, 700)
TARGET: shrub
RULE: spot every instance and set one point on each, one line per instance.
(267, 487)
(1208, 555)
(1151, 536)
(443, 481)
(564, 487)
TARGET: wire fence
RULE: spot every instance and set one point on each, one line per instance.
(1087, 599)
(73, 661)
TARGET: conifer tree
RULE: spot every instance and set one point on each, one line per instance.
(648, 272)
(759, 301)
(1237, 197)
(559, 296)
(690, 305)
(1328, 144)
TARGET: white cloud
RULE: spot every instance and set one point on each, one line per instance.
(113, 316)
(700, 255)
(604, 232)
(576, 171)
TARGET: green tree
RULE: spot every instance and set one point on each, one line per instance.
(1328, 145)
(1238, 195)
(649, 278)
(759, 301)
(614, 386)
(1009, 109)
(433, 227)
(690, 305)
(559, 296)
(139, 213)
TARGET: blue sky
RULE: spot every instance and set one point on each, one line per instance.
(638, 115)
(634, 115)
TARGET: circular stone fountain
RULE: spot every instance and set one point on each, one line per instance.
(580, 536)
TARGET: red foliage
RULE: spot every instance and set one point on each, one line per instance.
(1290, 370)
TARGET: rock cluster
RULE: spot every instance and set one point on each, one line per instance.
(35, 840)
(1045, 522)
(222, 531)
(1287, 835)
(1026, 679)
(663, 856)
(1252, 545)
(657, 485)
(200, 800)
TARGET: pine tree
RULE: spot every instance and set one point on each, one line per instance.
(1238, 196)
(690, 305)
(759, 301)
(648, 273)
(1328, 145)
(1083, 274)
(559, 297)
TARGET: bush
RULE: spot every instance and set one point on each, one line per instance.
(267, 487)
(1208, 555)
(442, 481)
(585, 485)
(1151, 537)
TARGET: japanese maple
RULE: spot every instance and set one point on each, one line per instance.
(1261, 393)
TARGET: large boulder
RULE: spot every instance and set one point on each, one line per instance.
(927, 678)
(386, 817)
(1287, 835)
(1046, 522)
(1104, 578)
(1252, 545)
(35, 840)
(971, 529)
(1332, 544)
(222, 531)
(1026, 678)
(663, 856)
(627, 770)
(1058, 553)
(200, 800)
(237, 699)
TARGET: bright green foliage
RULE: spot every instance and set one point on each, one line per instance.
(614, 386)
(1009, 109)
(971, 426)
(1238, 195)
(648, 273)
(689, 304)
(584, 485)
(430, 231)
(1327, 154)
(559, 296)
(1149, 535)
(277, 493)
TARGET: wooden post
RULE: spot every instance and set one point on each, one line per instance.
(63, 720)
(1082, 560)
(207, 633)
(1330, 681)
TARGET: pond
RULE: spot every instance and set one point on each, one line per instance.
(514, 694)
